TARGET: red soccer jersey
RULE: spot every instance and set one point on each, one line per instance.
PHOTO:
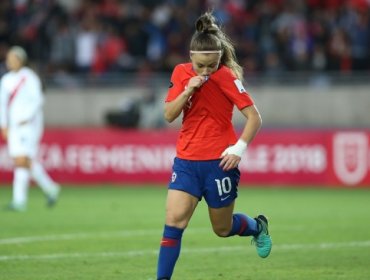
(207, 128)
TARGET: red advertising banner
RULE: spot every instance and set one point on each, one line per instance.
(276, 157)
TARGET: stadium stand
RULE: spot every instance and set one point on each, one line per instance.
(97, 38)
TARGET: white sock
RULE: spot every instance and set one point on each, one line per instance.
(21, 182)
(43, 180)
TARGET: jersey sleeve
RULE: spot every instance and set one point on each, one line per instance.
(233, 88)
(3, 105)
(176, 86)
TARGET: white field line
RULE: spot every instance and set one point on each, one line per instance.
(134, 253)
(76, 236)
(112, 234)
(95, 235)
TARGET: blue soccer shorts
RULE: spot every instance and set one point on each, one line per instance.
(206, 179)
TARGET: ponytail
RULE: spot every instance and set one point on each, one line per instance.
(209, 37)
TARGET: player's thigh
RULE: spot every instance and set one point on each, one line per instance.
(221, 219)
(220, 187)
(180, 207)
(23, 142)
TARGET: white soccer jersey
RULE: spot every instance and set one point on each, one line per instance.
(21, 110)
(21, 98)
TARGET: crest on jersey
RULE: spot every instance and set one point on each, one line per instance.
(174, 176)
(240, 86)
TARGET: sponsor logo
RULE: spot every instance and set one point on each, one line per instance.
(224, 198)
(350, 156)
(170, 85)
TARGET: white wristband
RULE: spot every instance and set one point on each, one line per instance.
(237, 149)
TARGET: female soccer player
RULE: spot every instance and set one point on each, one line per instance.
(208, 151)
(21, 123)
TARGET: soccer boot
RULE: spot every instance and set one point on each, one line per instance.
(262, 241)
(15, 207)
(52, 197)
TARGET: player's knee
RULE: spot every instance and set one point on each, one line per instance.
(221, 231)
(174, 221)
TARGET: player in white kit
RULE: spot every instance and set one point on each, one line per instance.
(21, 122)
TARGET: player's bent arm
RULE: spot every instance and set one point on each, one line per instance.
(231, 156)
(3, 105)
(174, 108)
(254, 122)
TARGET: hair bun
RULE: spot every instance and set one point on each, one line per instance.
(206, 23)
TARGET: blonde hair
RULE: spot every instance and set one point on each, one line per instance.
(20, 53)
(209, 37)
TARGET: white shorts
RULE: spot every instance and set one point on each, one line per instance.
(24, 140)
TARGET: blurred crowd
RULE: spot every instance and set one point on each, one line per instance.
(98, 37)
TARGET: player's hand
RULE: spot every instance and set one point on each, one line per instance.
(4, 133)
(229, 162)
(233, 155)
(196, 82)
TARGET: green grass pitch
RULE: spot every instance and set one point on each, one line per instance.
(108, 232)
